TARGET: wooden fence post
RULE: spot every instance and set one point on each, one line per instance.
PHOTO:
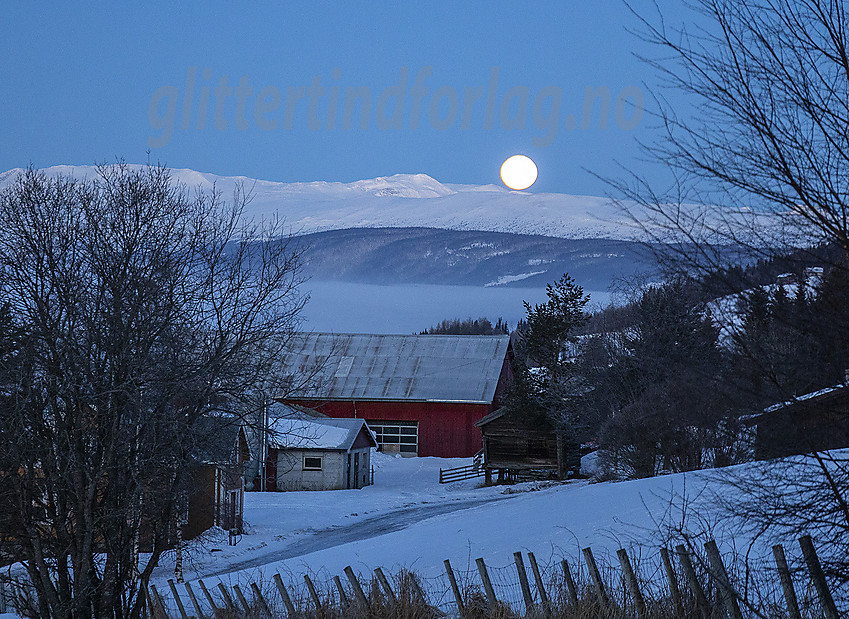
(673, 581)
(786, 582)
(692, 580)
(727, 592)
(313, 593)
(598, 583)
(570, 583)
(414, 582)
(561, 457)
(358, 590)
(194, 600)
(543, 596)
(387, 587)
(259, 599)
(458, 597)
(152, 602)
(491, 600)
(159, 601)
(815, 569)
(213, 606)
(228, 601)
(523, 581)
(177, 599)
(631, 582)
(242, 600)
(343, 598)
(284, 595)
(149, 605)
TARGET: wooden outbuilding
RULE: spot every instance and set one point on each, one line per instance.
(420, 394)
(319, 454)
(513, 445)
(217, 486)
(815, 421)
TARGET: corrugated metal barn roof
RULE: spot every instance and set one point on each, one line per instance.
(443, 368)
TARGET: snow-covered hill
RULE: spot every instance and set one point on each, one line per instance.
(409, 200)
(390, 256)
(407, 520)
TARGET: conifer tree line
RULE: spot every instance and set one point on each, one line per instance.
(661, 381)
(468, 326)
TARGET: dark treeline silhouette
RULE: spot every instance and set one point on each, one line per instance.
(664, 381)
(469, 326)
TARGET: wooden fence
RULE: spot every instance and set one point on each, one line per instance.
(459, 473)
(692, 581)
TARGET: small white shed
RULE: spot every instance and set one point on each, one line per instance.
(320, 453)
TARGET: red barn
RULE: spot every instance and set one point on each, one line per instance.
(420, 394)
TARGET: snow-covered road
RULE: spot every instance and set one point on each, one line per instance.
(354, 532)
(284, 526)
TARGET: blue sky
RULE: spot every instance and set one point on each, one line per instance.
(88, 85)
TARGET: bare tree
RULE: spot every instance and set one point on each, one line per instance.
(761, 137)
(142, 307)
(754, 100)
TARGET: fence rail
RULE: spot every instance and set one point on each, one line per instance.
(459, 473)
(446, 476)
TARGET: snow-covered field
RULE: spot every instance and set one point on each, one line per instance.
(408, 520)
(275, 521)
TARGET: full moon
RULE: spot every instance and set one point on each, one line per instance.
(518, 172)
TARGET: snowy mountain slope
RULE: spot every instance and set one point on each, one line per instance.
(468, 258)
(408, 200)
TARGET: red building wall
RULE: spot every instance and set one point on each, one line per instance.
(446, 430)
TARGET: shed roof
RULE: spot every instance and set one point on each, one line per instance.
(496, 414)
(821, 394)
(442, 368)
(319, 433)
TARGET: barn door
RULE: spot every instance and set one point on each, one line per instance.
(349, 469)
(396, 436)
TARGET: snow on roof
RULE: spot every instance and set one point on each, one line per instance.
(802, 398)
(325, 433)
(442, 368)
(755, 417)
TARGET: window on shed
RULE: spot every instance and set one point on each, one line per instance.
(312, 463)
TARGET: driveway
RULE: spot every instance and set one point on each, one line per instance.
(364, 529)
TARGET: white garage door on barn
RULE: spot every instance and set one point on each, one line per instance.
(396, 436)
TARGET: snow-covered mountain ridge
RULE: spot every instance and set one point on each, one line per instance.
(407, 200)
